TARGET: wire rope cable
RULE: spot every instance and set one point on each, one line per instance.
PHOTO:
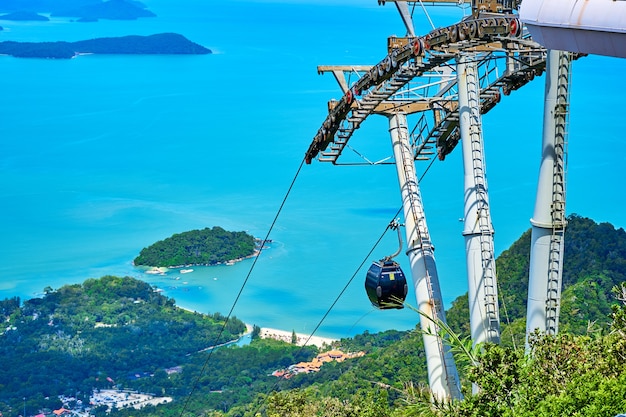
(243, 285)
(343, 290)
(363, 262)
(506, 313)
(427, 15)
(210, 354)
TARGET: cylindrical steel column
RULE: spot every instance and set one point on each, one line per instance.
(548, 221)
(477, 230)
(442, 373)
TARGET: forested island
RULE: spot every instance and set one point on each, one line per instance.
(22, 15)
(582, 371)
(163, 44)
(84, 10)
(199, 247)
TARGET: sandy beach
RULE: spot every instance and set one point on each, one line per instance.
(285, 336)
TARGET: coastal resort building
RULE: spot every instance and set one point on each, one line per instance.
(317, 362)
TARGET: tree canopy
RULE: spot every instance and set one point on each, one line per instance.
(580, 372)
(75, 337)
(594, 263)
(198, 247)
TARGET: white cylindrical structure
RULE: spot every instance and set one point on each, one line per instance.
(442, 373)
(548, 216)
(538, 279)
(585, 26)
(477, 230)
(405, 14)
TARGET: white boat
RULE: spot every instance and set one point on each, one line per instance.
(186, 271)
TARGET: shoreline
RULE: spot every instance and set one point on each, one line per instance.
(277, 334)
(302, 338)
(162, 270)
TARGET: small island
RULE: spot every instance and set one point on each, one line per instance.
(199, 247)
(162, 44)
(85, 11)
(22, 15)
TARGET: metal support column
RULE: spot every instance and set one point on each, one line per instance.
(442, 373)
(549, 219)
(478, 230)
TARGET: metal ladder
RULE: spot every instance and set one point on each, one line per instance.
(483, 215)
(421, 141)
(364, 107)
(423, 242)
(559, 221)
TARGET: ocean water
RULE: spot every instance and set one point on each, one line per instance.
(101, 156)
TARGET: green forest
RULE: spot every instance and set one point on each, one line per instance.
(198, 247)
(580, 372)
(74, 338)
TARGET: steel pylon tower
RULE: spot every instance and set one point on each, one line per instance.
(417, 79)
(442, 373)
(478, 230)
(549, 218)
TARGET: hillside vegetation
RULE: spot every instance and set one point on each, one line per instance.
(198, 247)
(75, 337)
(594, 263)
(581, 372)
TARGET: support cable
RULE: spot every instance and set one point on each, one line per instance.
(365, 259)
(343, 290)
(427, 15)
(206, 362)
(506, 313)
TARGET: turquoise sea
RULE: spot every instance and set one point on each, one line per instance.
(101, 156)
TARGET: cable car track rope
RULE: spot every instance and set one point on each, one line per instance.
(386, 85)
(384, 80)
(243, 285)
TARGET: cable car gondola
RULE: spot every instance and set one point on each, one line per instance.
(386, 285)
(385, 282)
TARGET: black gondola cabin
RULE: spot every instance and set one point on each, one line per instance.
(385, 284)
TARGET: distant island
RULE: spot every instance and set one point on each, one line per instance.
(22, 15)
(161, 44)
(199, 247)
(85, 11)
